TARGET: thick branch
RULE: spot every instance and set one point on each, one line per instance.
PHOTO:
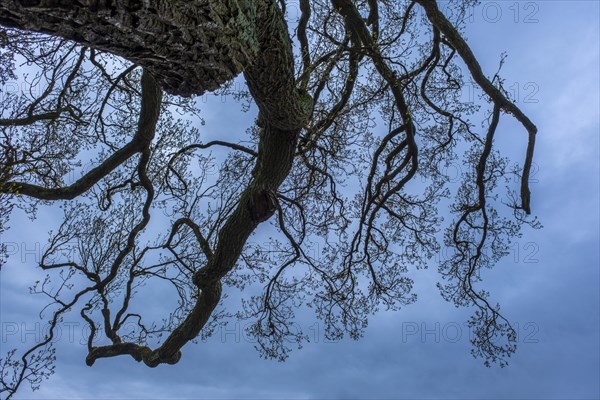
(272, 80)
(190, 47)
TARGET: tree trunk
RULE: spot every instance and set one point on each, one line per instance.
(189, 46)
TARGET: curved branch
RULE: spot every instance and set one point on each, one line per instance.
(149, 113)
(453, 37)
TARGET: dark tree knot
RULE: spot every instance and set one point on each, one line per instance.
(261, 205)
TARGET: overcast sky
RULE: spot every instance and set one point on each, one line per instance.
(549, 285)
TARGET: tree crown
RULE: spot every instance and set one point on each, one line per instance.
(361, 111)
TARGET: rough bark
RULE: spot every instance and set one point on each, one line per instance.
(270, 77)
(189, 46)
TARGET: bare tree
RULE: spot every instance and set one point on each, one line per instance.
(117, 79)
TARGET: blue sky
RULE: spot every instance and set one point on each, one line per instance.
(549, 286)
